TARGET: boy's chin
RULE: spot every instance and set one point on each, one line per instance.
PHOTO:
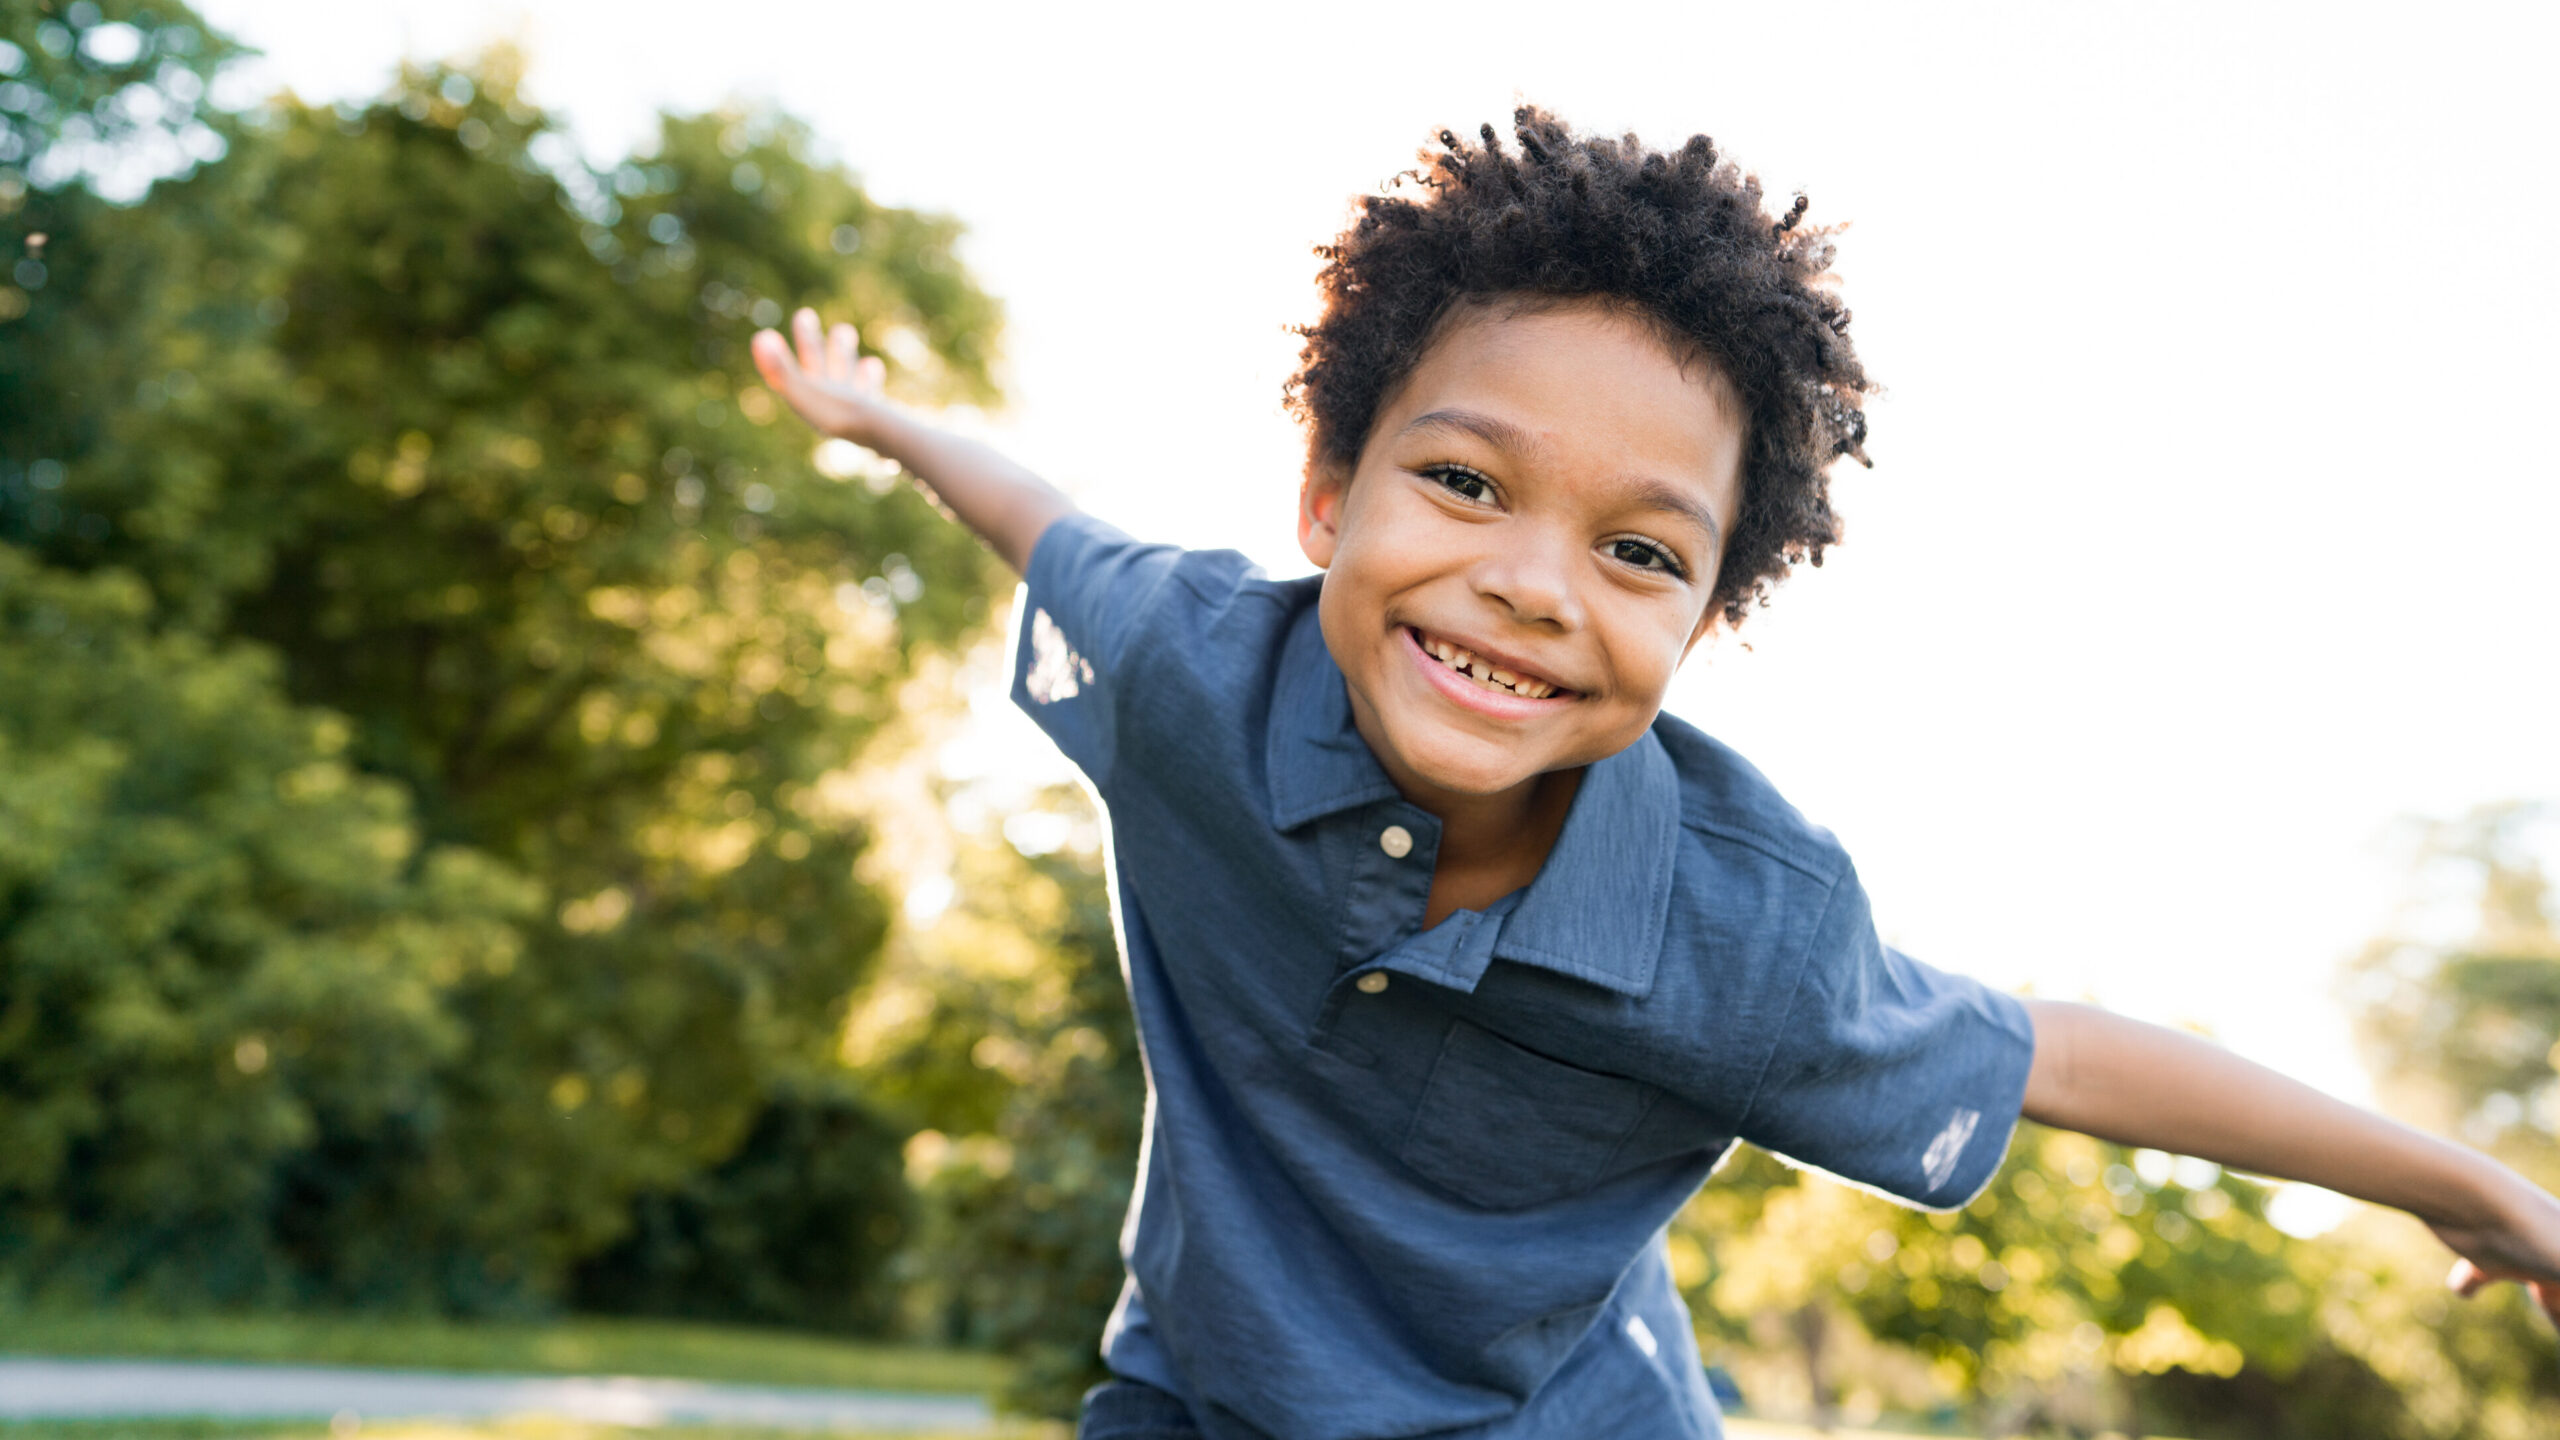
(1468, 769)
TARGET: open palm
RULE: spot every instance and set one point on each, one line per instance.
(828, 380)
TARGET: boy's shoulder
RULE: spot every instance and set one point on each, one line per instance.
(1151, 584)
(1726, 802)
(1223, 619)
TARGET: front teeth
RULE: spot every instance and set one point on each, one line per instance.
(1492, 677)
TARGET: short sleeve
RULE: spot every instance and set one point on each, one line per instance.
(1094, 603)
(1888, 1073)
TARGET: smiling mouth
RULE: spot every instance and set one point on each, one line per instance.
(1484, 672)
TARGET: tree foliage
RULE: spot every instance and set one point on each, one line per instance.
(220, 946)
(112, 94)
(1006, 1029)
(2463, 1028)
(441, 451)
(2090, 1287)
(2460, 1014)
(2079, 1274)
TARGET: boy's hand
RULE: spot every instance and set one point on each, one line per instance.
(837, 390)
(832, 385)
(2522, 1244)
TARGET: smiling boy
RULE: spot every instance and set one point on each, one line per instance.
(1457, 965)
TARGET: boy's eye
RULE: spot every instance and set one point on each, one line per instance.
(1644, 555)
(1466, 484)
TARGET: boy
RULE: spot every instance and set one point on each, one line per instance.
(1457, 965)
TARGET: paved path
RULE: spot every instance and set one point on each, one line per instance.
(66, 1389)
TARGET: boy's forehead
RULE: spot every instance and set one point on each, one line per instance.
(1575, 386)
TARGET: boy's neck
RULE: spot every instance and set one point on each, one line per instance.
(1491, 845)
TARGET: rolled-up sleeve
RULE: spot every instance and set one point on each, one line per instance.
(1890, 1074)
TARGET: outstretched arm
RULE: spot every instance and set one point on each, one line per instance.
(838, 391)
(2138, 1084)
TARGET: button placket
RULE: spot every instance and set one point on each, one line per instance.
(1386, 882)
(1384, 894)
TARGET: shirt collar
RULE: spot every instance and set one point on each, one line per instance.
(1317, 762)
(1597, 909)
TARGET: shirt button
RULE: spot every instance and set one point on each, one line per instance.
(1397, 841)
(1373, 983)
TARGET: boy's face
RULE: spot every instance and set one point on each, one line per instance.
(1525, 550)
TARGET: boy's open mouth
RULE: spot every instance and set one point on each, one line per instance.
(1483, 672)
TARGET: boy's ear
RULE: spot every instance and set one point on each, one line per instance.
(1320, 513)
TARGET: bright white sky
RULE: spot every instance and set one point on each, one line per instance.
(2213, 524)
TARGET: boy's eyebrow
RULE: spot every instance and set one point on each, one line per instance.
(1501, 434)
(1658, 495)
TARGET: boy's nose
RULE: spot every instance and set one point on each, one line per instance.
(1534, 581)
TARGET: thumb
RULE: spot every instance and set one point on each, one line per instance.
(2468, 1279)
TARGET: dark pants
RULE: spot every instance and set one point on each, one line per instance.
(1127, 1410)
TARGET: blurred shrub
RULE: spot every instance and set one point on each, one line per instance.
(2082, 1270)
(796, 1227)
(2090, 1287)
(1005, 1027)
(2459, 1009)
(439, 454)
(2462, 1026)
(222, 951)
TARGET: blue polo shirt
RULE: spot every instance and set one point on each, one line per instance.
(1401, 1181)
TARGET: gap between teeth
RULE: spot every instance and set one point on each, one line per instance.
(1491, 677)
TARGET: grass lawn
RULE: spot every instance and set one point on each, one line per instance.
(575, 1346)
(534, 1428)
(540, 1429)
(512, 1429)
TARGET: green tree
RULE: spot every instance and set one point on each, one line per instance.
(2086, 1285)
(2462, 1030)
(1005, 1030)
(109, 94)
(220, 944)
(463, 434)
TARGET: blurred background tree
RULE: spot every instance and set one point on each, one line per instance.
(1006, 1032)
(2087, 1287)
(441, 451)
(2459, 1011)
(2461, 1030)
(220, 945)
(2093, 1288)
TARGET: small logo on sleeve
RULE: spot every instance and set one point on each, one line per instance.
(1057, 671)
(1938, 1162)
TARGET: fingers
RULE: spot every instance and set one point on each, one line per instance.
(804, 331)
(2467, 1279)
(840, 353)
(773, 360)
(833, 353)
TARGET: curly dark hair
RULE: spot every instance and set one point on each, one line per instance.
(1678, 239)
